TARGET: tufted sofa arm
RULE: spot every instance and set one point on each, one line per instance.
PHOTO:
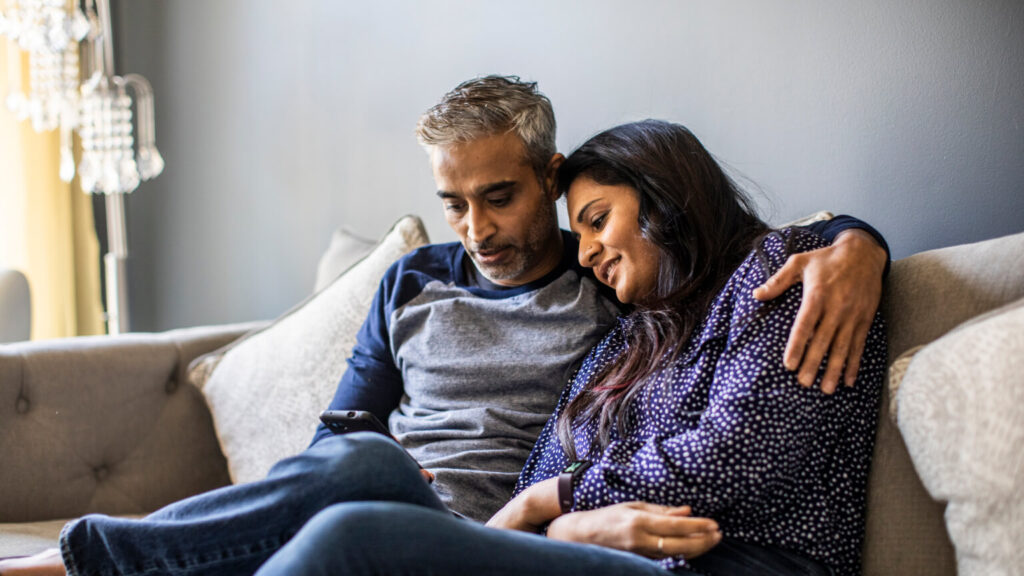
(105, 424)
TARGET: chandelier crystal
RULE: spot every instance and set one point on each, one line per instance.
(80, 95)
(72, 87)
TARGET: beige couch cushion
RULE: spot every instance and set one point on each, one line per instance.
(345, 250)
(25, 539)
(961, 412)
(266, 391)
(897, 371)
(810, 219)
(928, 294)
(29, 538)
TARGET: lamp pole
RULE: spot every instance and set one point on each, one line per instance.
(115, 264)
(115, 261)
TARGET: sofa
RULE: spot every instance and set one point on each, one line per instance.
(125, 424)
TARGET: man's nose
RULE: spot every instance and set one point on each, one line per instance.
(481, 226)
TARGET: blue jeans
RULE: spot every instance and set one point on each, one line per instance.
(233, 530)
(397, 539)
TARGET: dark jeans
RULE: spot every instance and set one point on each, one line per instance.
(362, 508)
(233, 530)
(401, 539)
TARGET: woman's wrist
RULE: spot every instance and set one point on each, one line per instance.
(542, 503)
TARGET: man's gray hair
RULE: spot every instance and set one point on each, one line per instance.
(493, 105)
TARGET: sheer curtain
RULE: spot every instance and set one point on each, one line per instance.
(46, 227)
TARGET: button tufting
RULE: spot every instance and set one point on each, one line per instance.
(171, 386)
(101, 473)
(22, 406)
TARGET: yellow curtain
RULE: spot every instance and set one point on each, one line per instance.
(46, 225)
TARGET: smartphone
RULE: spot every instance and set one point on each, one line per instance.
(345, 421)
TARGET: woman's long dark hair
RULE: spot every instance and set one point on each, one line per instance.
(703, 225)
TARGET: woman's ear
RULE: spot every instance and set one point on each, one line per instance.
(551, 175)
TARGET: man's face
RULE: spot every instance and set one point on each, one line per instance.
(503, 215)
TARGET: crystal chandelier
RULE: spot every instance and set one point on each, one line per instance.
(99, 107)
(70, 93)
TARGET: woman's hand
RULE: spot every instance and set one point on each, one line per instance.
(650, 530)
(531, 509)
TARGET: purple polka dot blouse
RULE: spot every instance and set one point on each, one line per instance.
(727, 430)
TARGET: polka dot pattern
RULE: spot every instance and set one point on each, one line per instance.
(729, 431)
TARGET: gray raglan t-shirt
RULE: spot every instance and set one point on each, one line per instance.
(467, 375)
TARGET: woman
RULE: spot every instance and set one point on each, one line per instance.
(684, 403)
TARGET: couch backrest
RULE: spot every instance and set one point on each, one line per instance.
(927, 295)
(15, 306)
(105, 424)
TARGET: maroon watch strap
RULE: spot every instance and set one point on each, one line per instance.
(567, 484)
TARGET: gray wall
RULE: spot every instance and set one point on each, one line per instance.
(280, 121)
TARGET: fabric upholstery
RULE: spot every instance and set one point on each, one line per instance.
(897, 371)
(961, 413)
(29, 538)
(15, 307)
(926, 295)
(266, 391)
(105, 424)
(345, 250)
(932, 292)
(810, 219)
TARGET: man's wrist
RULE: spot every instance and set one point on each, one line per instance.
(867, 244)
(862, 241)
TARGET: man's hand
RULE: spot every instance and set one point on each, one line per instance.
(842, 290)
(531, 509)
(639, 527)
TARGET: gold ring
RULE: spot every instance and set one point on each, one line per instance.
(661, 545)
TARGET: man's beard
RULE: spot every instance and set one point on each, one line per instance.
(524, 256)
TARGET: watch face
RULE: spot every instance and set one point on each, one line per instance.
(572, 468)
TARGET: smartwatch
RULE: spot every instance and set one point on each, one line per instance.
(567, 482)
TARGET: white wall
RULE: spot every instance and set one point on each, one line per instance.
(280, 121)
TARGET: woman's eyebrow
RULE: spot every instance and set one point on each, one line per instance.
(579, 215)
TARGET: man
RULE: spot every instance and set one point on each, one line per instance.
(465, 350)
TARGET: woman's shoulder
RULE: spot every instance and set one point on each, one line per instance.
(778, 245)
(736, 305)
(771, 252)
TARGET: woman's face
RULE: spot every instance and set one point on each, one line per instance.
(606, 221)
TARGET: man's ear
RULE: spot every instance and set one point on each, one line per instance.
(550, 173)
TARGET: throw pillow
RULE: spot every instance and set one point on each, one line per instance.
(266, 390)
(961, 413)
(810, 219)
(896, 373)
(345, 250)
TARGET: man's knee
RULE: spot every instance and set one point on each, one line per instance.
(350, 521)
(365, 451)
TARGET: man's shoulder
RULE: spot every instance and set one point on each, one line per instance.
(431, 259)
(408, 275)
